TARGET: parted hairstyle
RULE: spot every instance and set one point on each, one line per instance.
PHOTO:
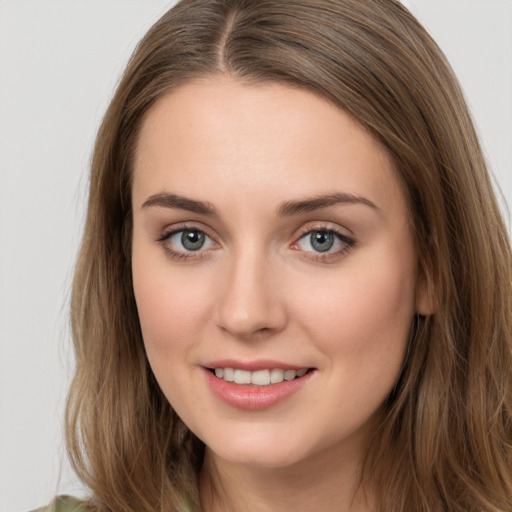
(445, 443)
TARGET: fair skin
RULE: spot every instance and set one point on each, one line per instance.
(229, 270)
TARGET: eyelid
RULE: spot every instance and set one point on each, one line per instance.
(323, 226)
(184, 226)
(324, 257)
(173, 229)
(341, 232)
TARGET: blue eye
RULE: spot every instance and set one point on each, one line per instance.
(189, 240)
(324, 241)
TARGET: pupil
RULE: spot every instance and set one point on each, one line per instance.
(322, 241)
(192, 240)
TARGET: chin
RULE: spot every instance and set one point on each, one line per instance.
(259, 451)
(251, 459)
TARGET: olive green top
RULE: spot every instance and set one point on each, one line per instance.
(70, 504)
(64, 504)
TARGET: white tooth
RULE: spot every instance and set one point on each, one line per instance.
(276, 376)
(289, 374)
(229, 374)
(219, 372)
(301, 373)
(260, 378)
(242, 377)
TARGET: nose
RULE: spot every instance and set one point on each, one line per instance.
(250, 302)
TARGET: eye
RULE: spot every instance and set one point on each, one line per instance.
(190, 240)
(324, 241)
(184, 242)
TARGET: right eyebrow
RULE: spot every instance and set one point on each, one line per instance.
(318, 202)
(165, 200)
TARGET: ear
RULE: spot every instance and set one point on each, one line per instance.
(426, 303)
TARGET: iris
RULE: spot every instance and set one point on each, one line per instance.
(321, 241)
(192, 240)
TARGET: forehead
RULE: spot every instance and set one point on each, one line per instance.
(260, 138)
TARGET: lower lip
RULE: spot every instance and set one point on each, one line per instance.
(254, 397)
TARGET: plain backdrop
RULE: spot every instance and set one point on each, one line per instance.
(59, 63)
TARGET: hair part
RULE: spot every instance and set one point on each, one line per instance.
(447, 432)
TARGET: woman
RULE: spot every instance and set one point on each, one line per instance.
(294, 289)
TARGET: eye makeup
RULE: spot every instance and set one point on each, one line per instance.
(323, 243)
(320, 242)
(195, 241)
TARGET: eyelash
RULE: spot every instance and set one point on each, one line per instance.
(181, 255)
(326, 257)
(322, 257)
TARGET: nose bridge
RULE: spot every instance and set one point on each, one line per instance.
(250, 301)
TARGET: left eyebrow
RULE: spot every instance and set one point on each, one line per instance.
(318, 202)
(165, 200)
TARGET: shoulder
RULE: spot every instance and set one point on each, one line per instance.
(65, 504)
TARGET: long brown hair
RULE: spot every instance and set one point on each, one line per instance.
(447, 435)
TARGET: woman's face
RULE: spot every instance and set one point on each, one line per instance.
(271, 242)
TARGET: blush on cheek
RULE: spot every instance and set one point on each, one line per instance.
(365, 325)
(171, 312)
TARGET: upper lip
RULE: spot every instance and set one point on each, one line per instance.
(260, 364)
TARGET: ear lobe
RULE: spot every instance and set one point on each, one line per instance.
(426, 303)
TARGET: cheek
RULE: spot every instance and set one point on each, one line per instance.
(157, 307)
(363, 317)
(171, 314)
(172, 307)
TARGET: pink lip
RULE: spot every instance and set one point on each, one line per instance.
(254, 397)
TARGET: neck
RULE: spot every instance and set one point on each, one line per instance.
(326, 482)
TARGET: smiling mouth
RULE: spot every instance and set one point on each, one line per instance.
(258, 377)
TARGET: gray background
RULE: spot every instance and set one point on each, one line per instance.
(59, 63)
